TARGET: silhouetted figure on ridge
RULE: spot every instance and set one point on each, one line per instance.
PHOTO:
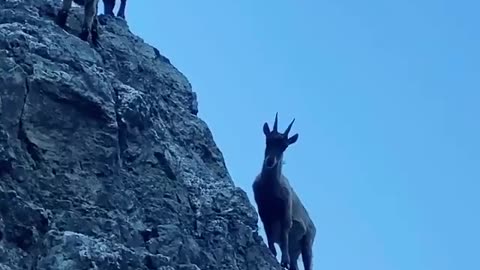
(285, 219)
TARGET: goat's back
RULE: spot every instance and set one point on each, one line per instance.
(299, 213)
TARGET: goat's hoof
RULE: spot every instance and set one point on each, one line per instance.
(61, 18)
(95, 42)
(285, 263)
(84, 35)
(121, 15)
(95, 38)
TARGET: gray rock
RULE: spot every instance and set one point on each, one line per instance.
(104, 163)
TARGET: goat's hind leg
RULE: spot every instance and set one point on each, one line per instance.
(307, 254)
(62, 15)
(108, 6)
(285, 262)
(293, 259)
(88, 18)
(94, 28)
(121, 10)
(271, 230)
(95, 31)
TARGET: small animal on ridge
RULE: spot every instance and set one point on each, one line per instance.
(90, 20)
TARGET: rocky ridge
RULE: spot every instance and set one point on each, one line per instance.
(104, 163)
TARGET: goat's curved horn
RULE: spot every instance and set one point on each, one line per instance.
(289, 127)
(275, 124)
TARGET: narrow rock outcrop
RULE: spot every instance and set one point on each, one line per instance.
(103, 161)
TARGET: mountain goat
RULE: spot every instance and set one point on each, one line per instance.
(285, 219)
(108, 6)
(90, 20)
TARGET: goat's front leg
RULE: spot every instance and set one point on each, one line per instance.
(95, 31)
(270, 231)
(89, 19)
(89, 13)
(286, 225)
(108, 6)
(121, 10)
(307, 256)
(62, 15)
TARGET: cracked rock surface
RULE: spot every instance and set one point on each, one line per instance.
(103, 161)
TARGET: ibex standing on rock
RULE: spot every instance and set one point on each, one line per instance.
(283, 215)
(90, 21)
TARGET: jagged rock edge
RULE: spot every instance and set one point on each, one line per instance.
(121, 127)
(21, 133)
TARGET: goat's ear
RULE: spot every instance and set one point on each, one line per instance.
(293, 139)
(266, 129)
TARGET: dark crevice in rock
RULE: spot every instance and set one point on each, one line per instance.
(31, 148)
(193, 103)
(83, 105)
(101, 174)
(47, 11)
(43, 225)
(22, 237)
(121, 128)
(160, 57)
(165, 164)
(6, 156)
(149, 234)
(149, 262)
(5, 167)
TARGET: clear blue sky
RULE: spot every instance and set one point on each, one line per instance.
(386, 98)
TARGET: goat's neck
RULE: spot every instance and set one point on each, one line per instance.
(272, 175)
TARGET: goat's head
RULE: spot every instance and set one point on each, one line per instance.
(276, 143)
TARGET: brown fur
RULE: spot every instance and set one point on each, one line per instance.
(285, 219)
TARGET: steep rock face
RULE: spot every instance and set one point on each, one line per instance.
(103, 161)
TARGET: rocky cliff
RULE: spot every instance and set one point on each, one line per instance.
(103, 161)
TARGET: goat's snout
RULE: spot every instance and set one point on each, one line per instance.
(270, 161)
